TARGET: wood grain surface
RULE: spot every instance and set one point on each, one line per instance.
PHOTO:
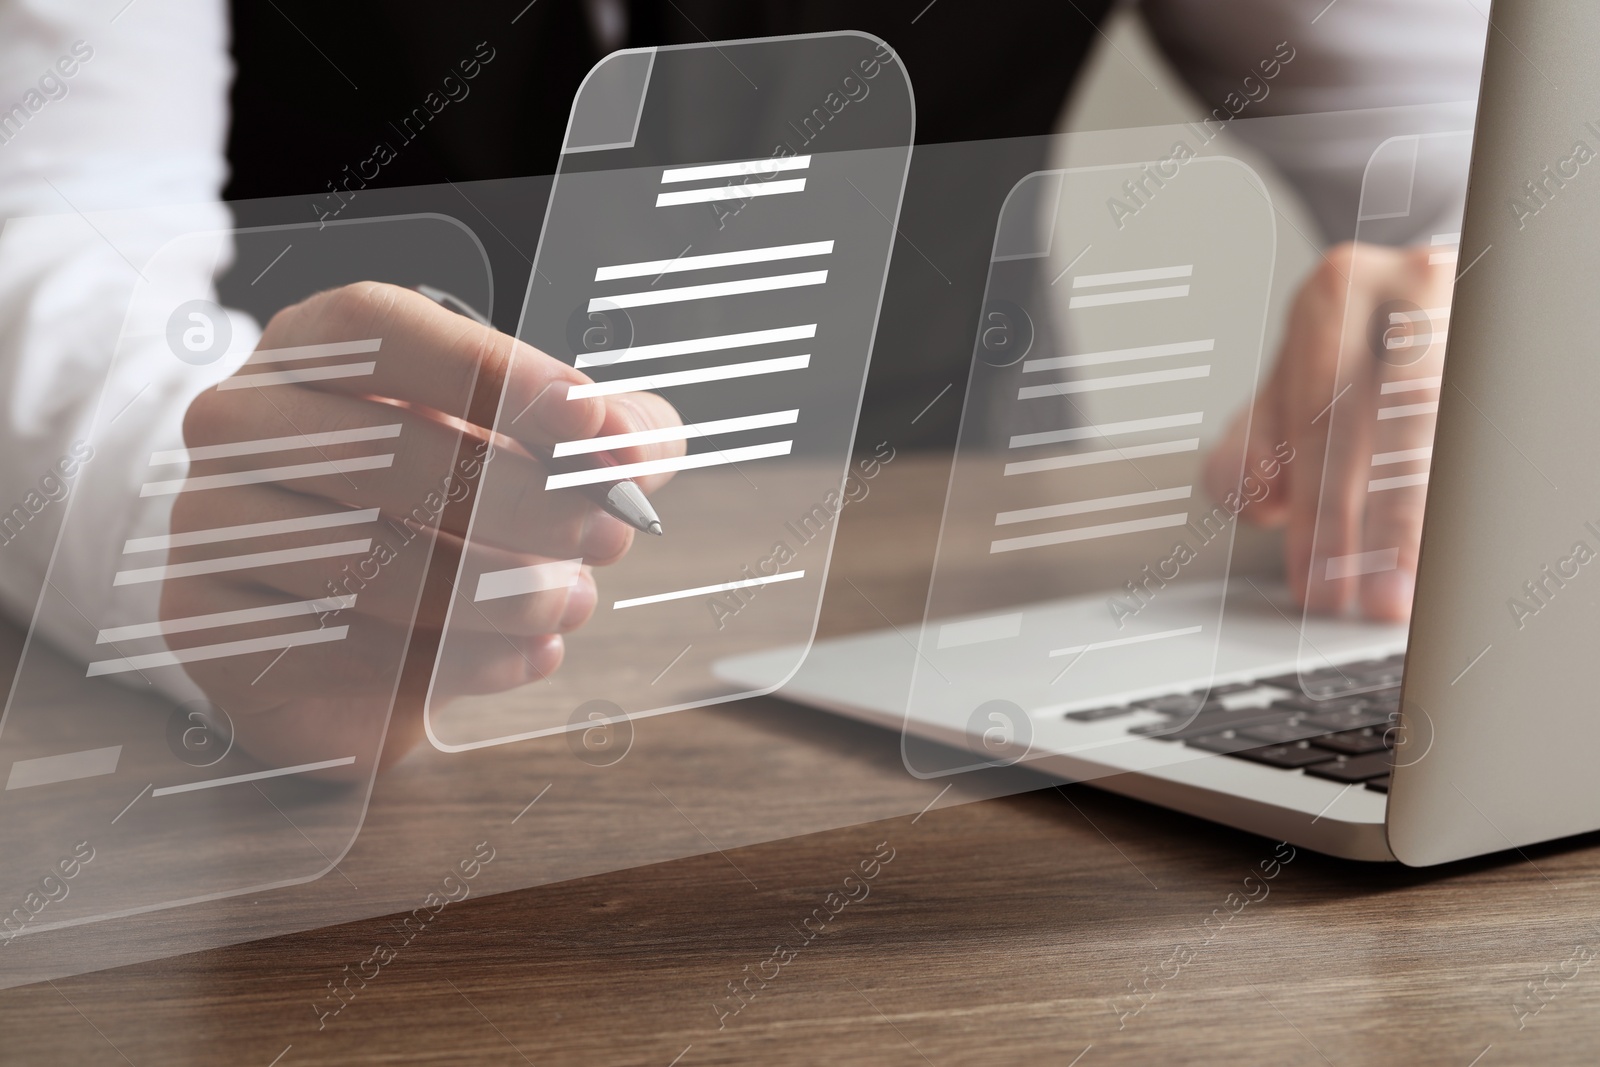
(747, 844)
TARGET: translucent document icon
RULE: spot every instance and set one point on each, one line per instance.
(1385, 395)
(1080, 562)
(251, 601)
(718, 233)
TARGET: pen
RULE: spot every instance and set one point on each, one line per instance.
(621, 499)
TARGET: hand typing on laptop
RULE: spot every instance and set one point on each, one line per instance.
(357, 525)
(1353, 391)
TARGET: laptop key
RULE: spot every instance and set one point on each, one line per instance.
(1356, 718)
(1383, 672)
(1357, 742)
(1096, 714)
(1177, 704)
(1352, 769)
(1379, 785)
(1283, 733)
(1210, 722)
(1301, 702)
(1228, 742)
(1291, 682)
(1288, 757)
(1328, 688)
(1330, 681)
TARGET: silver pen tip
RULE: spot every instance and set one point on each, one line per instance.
(627, 502)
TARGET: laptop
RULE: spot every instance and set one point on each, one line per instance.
(1472, 730)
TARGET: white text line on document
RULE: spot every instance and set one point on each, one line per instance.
(704, 292)
(731, 192)
(1104, 455)
(140, 631)
(1403, 481)
(1119, 355)
(662, 466)
(707, 590)
(1402, 411)
(267, 474)
(1409, 455)
(66, 767)
(294, 377)
(253, 776)
(1410, 385)
(677, 433)
(1106, 429)
(1089, 533)
(1130, 296)
(1085, 507)
(697, 344)
(322, 351)
(1115, 381)
(1128, 277)
(250, 529)
(525, 581)
(1095, 646)
(224, 564)
(653, 268)
(667, 379)
(200, 653)
(741, 169)
(275, 444)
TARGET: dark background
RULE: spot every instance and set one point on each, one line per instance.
(319, 85)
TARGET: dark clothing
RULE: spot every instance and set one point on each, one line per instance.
(319, 84)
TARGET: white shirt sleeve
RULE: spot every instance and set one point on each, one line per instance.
(1351, 56)
(97, 114)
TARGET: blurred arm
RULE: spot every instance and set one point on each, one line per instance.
(1358, 55)
(96, 115)
(1352, 63)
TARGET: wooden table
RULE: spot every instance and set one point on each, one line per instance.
(1050, 926)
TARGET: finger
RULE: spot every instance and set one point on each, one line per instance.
(433, 357)
(1266, 454)
(408, 466)
(287, 420)
(380, 584)
(347, 450)
(499, 666)
(356, 661)
(304, 729)
(1403, 437)
(1402, 452)
(1393, 525)
(1249, 459)
(1342, 499)
(1310, 387)
(271, 601)
(564, 601)
(1220, 472)
(638, 428)
(644, 413)
(309, 723)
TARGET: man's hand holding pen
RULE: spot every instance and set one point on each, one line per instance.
(432, 364)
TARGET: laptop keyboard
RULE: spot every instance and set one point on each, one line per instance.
(1336, 723)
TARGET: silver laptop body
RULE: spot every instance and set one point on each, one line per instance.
(1497, 720)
